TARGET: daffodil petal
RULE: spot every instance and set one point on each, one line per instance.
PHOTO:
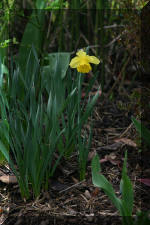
(74, 62)
(93, 59)
(81, 53)
(82, 62)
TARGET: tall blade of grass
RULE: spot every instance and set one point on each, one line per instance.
(60, 155)
(4, 151)
(4, 126)
(84, 146)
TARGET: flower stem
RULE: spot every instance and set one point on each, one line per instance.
(79, 97)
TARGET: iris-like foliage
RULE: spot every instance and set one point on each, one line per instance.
(44, 117)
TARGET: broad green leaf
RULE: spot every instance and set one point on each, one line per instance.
(33, 36)
(4, 69)
(100, 181)
(57, 64)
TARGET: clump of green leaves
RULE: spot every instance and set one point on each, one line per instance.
(124, 204)
(44, 117)
(76, 114)
(34, 128)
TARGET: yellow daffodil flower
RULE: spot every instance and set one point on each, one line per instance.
(82, 62)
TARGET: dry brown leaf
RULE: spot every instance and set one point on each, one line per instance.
(1, 210)
(111, 158)
(8, 179)
(127, 141)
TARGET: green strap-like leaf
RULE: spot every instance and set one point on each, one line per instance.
(143, 131)
(126, 189)
(100, 181)
(33, 35)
